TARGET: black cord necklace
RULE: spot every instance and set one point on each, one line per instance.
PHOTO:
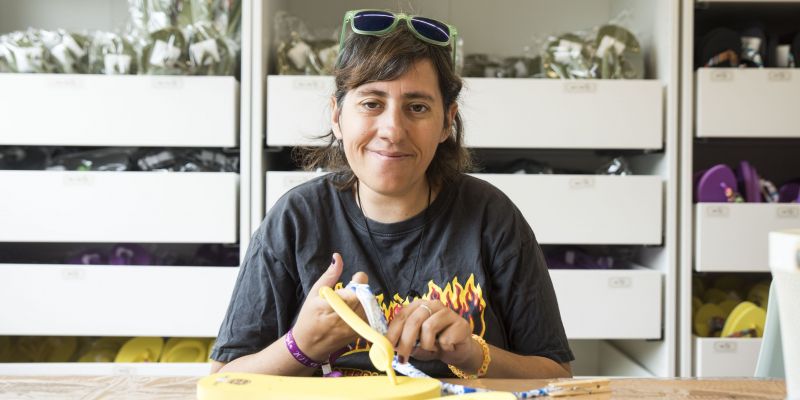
(409, 292)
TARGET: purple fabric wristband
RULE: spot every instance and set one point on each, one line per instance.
(298, 354)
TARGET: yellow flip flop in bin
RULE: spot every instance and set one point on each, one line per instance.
(746, 320)
(102, 350)
(242, 386)
(185, 350)
(140, 349)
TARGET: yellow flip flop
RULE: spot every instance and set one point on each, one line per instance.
(728, 306)
(6, 348)
(102, 350)
(390, 387)
(140, 349)
(715, 296)
(746, 320)
(706, 318)
(61, 348)
(759, 294)
(185, 351)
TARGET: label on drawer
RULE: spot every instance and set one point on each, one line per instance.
(78, 180)
(73, 274)
(718, 211)
(620, 282)
(725, 346)
(166, 83)
(123, 370)
(788, 212)
(65, 82)
(309, 84)
(580, 87)
(720, 75)
(780, 75)
(584, 182)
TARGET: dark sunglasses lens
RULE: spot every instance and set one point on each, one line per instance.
(431, 29)
(373, 21)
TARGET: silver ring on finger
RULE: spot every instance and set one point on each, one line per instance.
(430, 312)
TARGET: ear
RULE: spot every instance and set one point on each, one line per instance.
(451, 118)
(335, 119)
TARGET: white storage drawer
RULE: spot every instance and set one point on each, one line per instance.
(609, 304)
(298, 109)
(544, 113)
(562, 209)
(500, 113)
(111, 207)
(110, 300)
(587, 209)
(106, 110)
(734, 237)
(749, 102)
(280, 182)
(725, 357)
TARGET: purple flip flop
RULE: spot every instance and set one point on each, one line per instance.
(712, 184)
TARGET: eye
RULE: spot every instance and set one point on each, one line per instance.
(418, 108)
(370, 105)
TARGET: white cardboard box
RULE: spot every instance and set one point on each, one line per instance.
(725, 357)
(111, 207)
(734, 237)
(610, 304)
(113, 300)
(748, 102)
(562, 209)
(119, 110)
(499, 113)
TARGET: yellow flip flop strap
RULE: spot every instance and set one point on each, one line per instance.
(382, 351)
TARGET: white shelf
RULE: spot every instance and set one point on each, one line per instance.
(105, 369)
(725, 357)
(543, 113)
(534, 113)
(610, 304)
(577, 209)
(119, 110)
(108, 300)
(748, 102)
(148, 207)
(587, 209)
(734, 237)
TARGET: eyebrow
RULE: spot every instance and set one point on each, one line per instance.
(381, 93)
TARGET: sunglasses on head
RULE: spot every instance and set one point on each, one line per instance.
(379, 22)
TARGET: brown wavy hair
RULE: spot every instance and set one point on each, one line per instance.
(365, 59)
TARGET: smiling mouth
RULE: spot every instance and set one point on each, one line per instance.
(390, 155)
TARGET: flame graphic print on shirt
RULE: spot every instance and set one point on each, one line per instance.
(466, 300)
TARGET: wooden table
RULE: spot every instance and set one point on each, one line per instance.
(168, 388)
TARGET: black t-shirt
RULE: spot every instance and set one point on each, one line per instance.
(478, 256)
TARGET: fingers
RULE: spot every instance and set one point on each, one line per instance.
(360, 277)
(331, 275)
(410, 329)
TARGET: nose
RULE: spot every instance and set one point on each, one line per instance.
(392, 124)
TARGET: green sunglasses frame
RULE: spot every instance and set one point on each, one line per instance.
(350, 17)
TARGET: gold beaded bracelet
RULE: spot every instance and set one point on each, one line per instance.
(484, 365)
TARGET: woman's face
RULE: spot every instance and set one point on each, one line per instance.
(390, 129)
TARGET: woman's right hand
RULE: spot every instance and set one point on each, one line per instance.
(319, 331)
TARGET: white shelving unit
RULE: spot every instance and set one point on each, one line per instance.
(728, 115)
(129, 207)
(621, 322)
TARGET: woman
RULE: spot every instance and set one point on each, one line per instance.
(452, 261)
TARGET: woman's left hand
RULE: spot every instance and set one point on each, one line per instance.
(442, 335)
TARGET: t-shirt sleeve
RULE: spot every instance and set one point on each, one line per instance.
(262, 306)
(527, 303)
